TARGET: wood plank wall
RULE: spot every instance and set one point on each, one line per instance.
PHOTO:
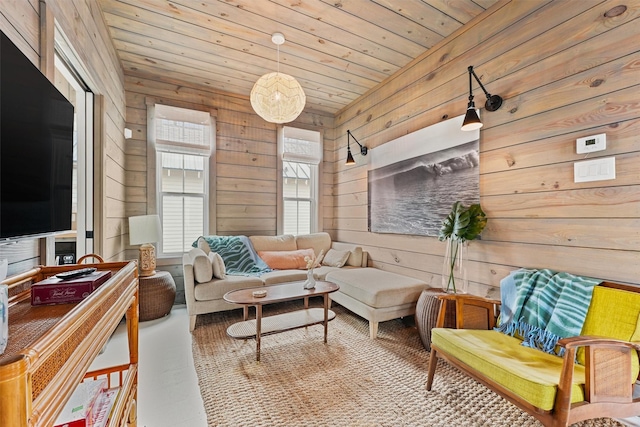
(246, 157)
(84, 27)
(565, 70)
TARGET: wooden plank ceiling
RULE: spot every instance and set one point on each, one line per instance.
(336, 49)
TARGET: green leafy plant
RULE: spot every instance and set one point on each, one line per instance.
(462, 224)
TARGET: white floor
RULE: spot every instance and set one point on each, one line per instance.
(168, 392)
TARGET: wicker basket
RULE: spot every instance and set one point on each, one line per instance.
(427, 309)
(157, 295)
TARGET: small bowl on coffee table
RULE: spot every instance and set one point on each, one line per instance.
(259, 294)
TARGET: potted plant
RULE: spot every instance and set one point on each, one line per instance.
(461, 225)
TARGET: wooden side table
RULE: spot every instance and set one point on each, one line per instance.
(157, 295)
(427, 309)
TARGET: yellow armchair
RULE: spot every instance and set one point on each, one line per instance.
(555, 390)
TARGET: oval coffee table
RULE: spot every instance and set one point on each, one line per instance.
(280, 322)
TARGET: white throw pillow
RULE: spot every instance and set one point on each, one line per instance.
(335, 258)
(217, 263)
(355, 257)
(202, 269)
(203, 245)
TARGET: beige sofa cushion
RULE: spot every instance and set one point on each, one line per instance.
(284, 276)
(335, 258)
(219, 270)
(377, 288)
(217, 288)
(321, 272)
(202, 268)
(203, 245)
(286, 242)
(355, 258)
(316, 241)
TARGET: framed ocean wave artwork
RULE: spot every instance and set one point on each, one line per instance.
(414, 180)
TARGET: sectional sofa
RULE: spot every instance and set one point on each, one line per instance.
(374, 294)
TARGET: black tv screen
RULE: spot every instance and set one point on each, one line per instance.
(36, 149)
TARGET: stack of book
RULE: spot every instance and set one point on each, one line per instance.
(89, 406)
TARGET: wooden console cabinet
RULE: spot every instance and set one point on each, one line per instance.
(51, 348)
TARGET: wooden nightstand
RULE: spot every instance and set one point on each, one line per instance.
(157, 295)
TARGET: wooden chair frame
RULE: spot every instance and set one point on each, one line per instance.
(608, 392)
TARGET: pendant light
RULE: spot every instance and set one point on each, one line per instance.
(277, 97)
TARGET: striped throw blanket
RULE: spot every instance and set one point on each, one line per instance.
(240, 259)
(544, 306)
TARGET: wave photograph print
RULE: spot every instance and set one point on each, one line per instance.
(413, 180)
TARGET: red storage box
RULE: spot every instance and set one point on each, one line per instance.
(57, 291)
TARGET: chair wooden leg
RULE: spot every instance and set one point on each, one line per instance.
(433, 363)
(192, 322)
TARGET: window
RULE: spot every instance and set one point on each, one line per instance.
(67, 78)
(183, 143)
(301, 157)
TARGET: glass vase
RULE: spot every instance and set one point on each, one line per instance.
(454, 269)
(311, 280)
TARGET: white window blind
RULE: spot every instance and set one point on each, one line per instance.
(182, 131)
(183, 141)
(301, 145)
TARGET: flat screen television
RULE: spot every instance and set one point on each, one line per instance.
(36, 149)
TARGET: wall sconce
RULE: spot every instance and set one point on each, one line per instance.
(363, 150)
(471, 119)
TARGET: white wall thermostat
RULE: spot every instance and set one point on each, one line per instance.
(589, 144)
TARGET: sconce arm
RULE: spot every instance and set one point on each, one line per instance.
(493, 101)
(363, 150)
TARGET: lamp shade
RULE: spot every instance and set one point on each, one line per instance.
(278, 98)
(144, 229)
(350, 159)
(471, 120)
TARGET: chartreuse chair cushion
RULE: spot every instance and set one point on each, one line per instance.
(531, 374)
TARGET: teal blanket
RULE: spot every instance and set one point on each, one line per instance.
(542, 306)
(240, 259)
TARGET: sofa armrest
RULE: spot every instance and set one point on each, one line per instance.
(189, 283)
(472, 311)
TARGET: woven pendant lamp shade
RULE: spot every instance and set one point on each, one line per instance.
(277, 98)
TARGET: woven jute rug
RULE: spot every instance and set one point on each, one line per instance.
(350, 381)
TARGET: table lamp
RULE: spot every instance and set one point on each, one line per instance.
(143, 230)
